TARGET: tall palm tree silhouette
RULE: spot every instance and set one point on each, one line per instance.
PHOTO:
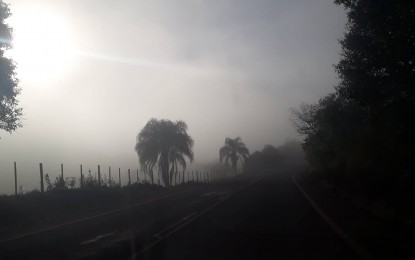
(164, 144)
(234, 150)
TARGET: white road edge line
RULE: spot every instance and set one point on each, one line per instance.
(360, 251)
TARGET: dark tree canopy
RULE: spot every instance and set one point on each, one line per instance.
(164, 144)
(377, 66)
(10, 112)
(363, 135)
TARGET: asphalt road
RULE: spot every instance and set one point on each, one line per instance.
(265, 218)
(268, 220)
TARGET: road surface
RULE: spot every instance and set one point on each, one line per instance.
(260, 218)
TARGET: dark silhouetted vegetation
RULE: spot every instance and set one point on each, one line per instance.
(361, 137)
(234, 150)
(273, 159)
(60, 183)
(10, 112)
(164, 144)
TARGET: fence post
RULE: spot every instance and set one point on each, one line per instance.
(15, 179)
(119, 176)
(109, 175)
(99, 175)
(137, 177)
(82, 177)
(41, 177)
(62, 170)
(129, 177)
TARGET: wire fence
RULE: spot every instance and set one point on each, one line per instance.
(43, 177)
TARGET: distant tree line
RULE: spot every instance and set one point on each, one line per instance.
(273, 159)
(362, 136)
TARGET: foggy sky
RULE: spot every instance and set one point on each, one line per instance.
(227, 68)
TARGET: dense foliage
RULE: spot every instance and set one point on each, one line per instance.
(362, 136)
(10, 112)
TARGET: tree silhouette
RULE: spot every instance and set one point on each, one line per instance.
(10, 112)
(234, 150)
(377, 69)
(164, 144)
(361, 136)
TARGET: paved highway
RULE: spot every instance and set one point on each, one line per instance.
(268, 220)
(260, 218)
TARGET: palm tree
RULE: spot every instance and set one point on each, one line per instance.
(234, 150)
(164, 144)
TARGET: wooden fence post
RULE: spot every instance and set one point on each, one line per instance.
(109, 175)
(62, 170)
(99, 175)
(119, 176)
(82, 178)
(137, 177)
(41, 178)
(129, 177)
(15, 179)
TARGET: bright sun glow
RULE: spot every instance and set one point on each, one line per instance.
(43, 47)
